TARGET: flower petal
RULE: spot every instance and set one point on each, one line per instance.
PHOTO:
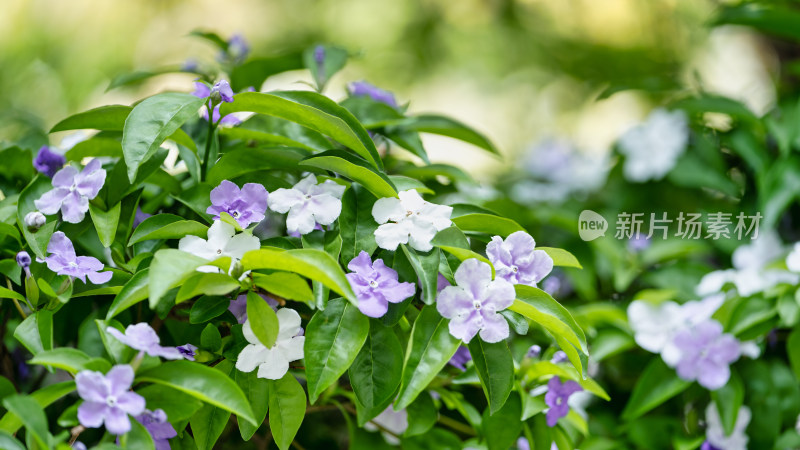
(50, 202)
(386, 209)
(117, 422)
(275, 366)
(251, 357)
(282, 200)
(131, 402)
(390, 235)
(91, 414)
(120, 378)
(74, 207)
(495, 327)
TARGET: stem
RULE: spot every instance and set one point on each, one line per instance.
(456, 425)
(204, 165)
(16, 302)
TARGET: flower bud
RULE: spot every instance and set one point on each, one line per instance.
(34, 220)
(534, 351)
(23, 259)
(559, 357)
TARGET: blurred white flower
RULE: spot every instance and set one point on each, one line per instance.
(654, 326)
(793, 259)
(715, 432)
(653, 147)
(393, 421)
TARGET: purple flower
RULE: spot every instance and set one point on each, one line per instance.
(156, 424)
(246, 205)
(516, 259)
(638, 243)
(534, 351)
(238, 307)
(108, 399)
(140, 217)
(556, 398)
(48, 162)
(376, 285)
(362, 88)
(707, 446)
(559, 357)
(78, 445)
(473, 305)
(223, 88)
(187, 351)
(201, 90)
(229, 119)
(703, 353)
(460, 358)
(72, 191)
(144, 338)
(63, 261)
(190, 65)
(238, 48)
(319, 55)
(23, 260)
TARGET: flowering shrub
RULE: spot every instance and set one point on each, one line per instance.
(293, 268)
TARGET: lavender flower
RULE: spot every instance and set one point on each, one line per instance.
(223, 89)
(34, 220)
(460, 358)
(638, 243)
(707, 446)
(238, 48)
(108, 399)
(238, 307)
(376, 285)
(187, 351)
(703, 353)
(534, 351)
(556, 398)
(308, 204)
(364, 89)
(559, 357)
(48, 162)
(246, 205)
(63, 261)
(156, 424)
(139, 217)
(72, 191)
(473, 305)
(144, 338)
(516, 259)
(78, 445)
(23, 260)
(190, 65)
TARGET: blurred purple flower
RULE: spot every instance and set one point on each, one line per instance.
(639, 243)
(201, 90)
(63, 261)
(156, 424)
(319, 55)
(460, 359)
(474, 303)
(72, 191)
(107, 398)
(48, 162)
(362, 88)
(187, 351)
(140, 217)
(516, 259)
(559, 357)
(190, 65)
(246, 205)
(534, 351)
(238, 48)
(238, 307)
(376, 285)
(142, 337)
(707, 446)
(556, 398)
(78, 445)
(703, 353)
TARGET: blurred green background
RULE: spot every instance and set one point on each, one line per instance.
(517, 70)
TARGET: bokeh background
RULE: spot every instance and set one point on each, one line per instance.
(520, 71)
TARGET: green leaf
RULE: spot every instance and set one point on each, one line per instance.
(487, 223)
(138, 438)
(495, 367)
(104, 118)
(334, 59)
(729, 399)
(170, 267)
(793, 350)
(151, 122)
(8, 293)
(376, 371)
(426, 266)
(177, 405)
(262, 318)
(134, 291)
(246, 160)
(356, 225)
(257, 390)
(45, 396)
(36, 241)
(254, 71)
(284, 284)
(503, 427)
(209, 422)
(70, 359)
(166, 226)
(33, 417)
(36, 331)
(8, 442)
(767, 17)
(444, 126)
(206, 284)
(561, 257)
(105, 222)
(422, 415)
(202, 382)
(453, 241)
(310, 263)
(354, 168)
(211, 37)
(541, 308)
(429, 348)
(210, 338)
(207, 308)
(287, 408)
(136, 77)
(657, 384)
(96, 146)
(333, 338)
(246, 134)
(313, 111)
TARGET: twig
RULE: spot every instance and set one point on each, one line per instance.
(297, 446)
(16, 302)
(456, 425)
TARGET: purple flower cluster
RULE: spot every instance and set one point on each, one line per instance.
(376, 285)
(63, 261)
(246, 205)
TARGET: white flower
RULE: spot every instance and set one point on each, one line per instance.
(793, 259)
(715, 432)
(655, 325)
(653, 147)
(222, 241)
(273, 362)
(308, 204)
(395, 422)
(409, 220)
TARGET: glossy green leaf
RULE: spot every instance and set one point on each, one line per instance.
(134, 291)
(541, 308)
(202, 382)
(495, 367)
(33, 418)
(105, 222)
(376, 371)
(166, 226)
(8, 442)
(354, 168)
(487, 223)
(210, 338)
(206, 284)
(138, 438)
(45, 396)
(356, 225)
(422, 415)
(104, 118)
(96, 146)
(208, 307)
(334, 58)
(284, 284)
(254, 71)
(561, 257)
(8, 293)
(151, 122)
(429, 348)
(246, 160)
(209, 421)
(36, 331)
(657, 384)
(177, 405)
(70, 359)
(426, 266)
(257, 390)
(503, 427)
(287, 408)
(170, 268)
(310, 263)
(246, 134)
(334, 337)
(262, 319)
